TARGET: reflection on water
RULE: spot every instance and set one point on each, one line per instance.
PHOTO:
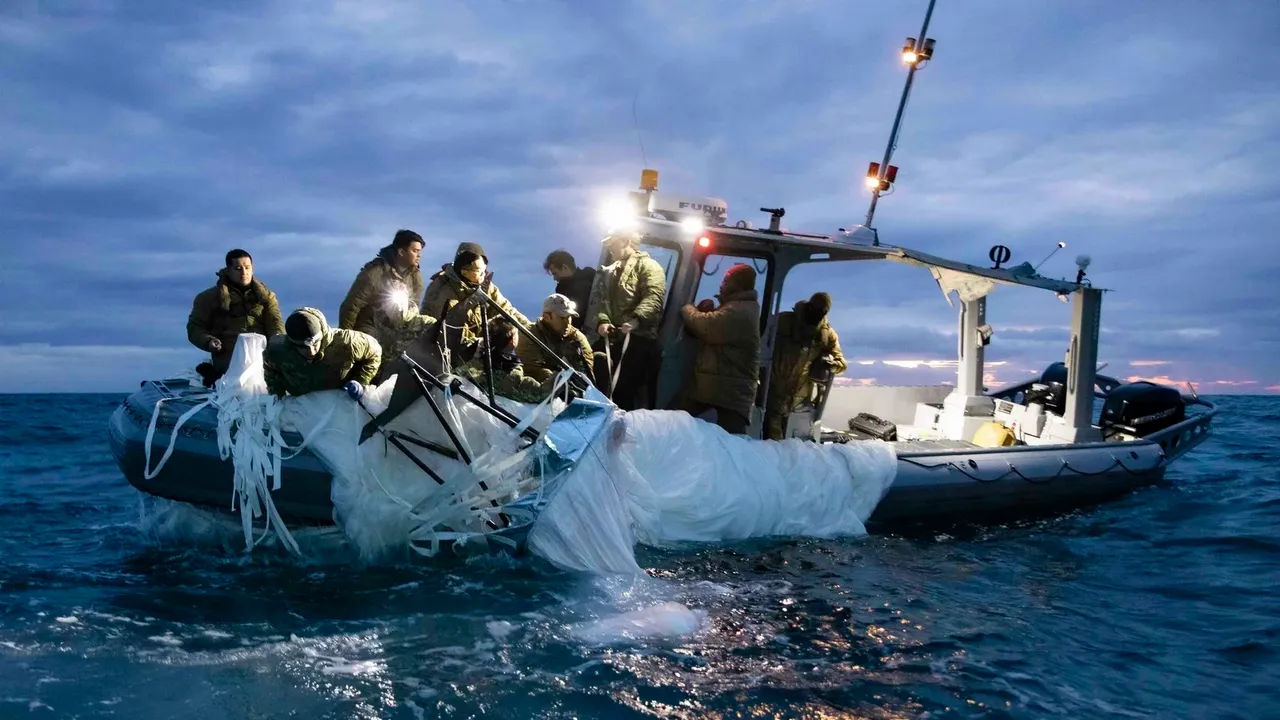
(1162, 604)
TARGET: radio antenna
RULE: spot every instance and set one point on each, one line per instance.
(1060, 245)
(636, 121)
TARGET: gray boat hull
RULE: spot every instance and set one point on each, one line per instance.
(980, 484)
(195, 473)
(935, 484)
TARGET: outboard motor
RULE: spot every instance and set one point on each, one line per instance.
(1051, 391)
(1142, 408)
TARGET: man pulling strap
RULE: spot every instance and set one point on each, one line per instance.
(628, 299)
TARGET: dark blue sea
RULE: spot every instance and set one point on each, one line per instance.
(1165, 604)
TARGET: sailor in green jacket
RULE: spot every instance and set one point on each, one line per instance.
(311, 356)
(509, 379)
(628, 297)
(454, 284)
(726, 369)
(238, 303)
(383, 299)
(555, 329)
(803, 337)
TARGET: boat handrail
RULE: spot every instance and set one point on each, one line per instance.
(1177, 439)
(1009, 392)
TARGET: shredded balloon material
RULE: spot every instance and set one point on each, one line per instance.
(594, 483)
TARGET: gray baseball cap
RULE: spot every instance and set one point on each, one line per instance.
(558, 304)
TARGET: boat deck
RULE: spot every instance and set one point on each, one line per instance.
(914, 445)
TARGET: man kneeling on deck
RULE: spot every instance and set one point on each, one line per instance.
(509, 379)
(556, 331)
(311, 356)
(726, 367)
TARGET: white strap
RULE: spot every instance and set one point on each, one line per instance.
(613, 380)
(148, 473)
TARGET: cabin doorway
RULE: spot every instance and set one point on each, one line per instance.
(678, 356)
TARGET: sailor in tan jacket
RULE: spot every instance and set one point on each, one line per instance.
(555, 330)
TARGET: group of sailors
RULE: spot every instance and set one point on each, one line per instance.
(601, 323)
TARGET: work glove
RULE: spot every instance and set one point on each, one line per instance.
(355, 390)
(707, 305)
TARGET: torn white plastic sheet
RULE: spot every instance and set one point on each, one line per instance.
(248, 434)
(660, 477)
(647, 476)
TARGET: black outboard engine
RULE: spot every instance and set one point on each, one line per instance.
(1051, 391)
(1142, 408)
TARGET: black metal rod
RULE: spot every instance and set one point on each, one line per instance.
(449, 429)
(488, 349)
(495, 410)
(421, 465)
(444, 421)
(426, 444)
(424, 376)
(541, 345)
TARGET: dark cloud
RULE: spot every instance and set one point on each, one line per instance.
(139, 141)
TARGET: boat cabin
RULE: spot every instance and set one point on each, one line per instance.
(692, 240)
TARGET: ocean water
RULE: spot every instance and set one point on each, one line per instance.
(1163, 604)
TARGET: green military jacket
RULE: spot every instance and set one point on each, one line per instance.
(447, 289)
(365, 307)
(796, 345)
(224, 311)
(344, 355)
(512, 383)
(630, 291)
(573, 347)
(726, 368)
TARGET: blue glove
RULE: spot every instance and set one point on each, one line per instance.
(354, 389)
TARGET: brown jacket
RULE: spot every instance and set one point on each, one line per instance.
(447, 289)
(344, 355)
(726, 368)
(573, 347)
(796, 345)
(224, 311)
(364, 306)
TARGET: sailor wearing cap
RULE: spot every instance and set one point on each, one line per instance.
(311, 356)
(555, 330)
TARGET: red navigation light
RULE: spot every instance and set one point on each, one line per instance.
(704, 241)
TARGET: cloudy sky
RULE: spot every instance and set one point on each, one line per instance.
(140, 140)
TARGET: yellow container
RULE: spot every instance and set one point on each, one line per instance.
(993, 434)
